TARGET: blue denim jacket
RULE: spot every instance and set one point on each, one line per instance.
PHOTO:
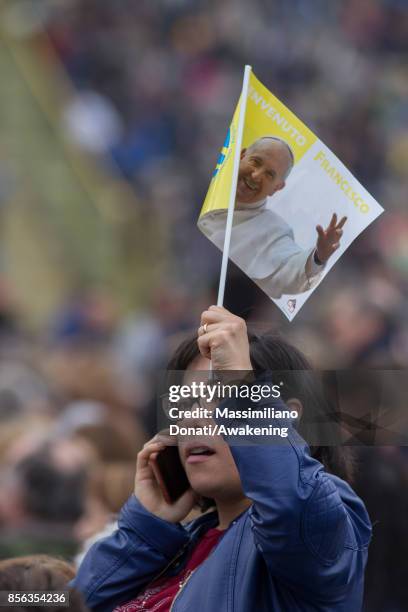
(300, 547)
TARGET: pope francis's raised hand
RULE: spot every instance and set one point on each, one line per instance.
(328, 240)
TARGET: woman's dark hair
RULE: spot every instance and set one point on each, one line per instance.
(272, 353)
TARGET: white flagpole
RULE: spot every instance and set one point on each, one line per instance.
(231, 204)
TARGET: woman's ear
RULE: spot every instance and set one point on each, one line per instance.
(294, 403)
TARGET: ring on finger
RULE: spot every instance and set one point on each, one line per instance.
(202, 329)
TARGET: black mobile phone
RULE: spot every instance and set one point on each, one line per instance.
(170, 474)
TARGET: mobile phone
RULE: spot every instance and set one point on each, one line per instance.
(170, 474)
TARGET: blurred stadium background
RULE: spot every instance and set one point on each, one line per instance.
(112, 116)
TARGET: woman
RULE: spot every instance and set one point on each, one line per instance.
(286, 535)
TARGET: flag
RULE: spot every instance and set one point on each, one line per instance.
(275, 240)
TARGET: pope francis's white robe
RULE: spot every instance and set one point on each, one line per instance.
(263, 246)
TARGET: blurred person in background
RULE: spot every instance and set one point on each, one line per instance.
(63, 483)
(44, 496)
(360, 330)
(142, 344)
(88, 317)
(39, 573)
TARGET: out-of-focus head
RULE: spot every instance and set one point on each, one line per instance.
(40, 573)
(263, 170)
(359, 328)
(52, 486)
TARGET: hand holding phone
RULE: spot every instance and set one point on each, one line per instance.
(150, 493)
(170, 474)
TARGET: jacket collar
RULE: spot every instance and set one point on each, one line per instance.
(207, 521)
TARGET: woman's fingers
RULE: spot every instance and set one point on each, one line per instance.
(204, 344)
(220, 317)
(207, 328)
(215, 314)
(164, 437)
(225, 341)
(143, 457)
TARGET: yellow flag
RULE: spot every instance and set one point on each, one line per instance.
(265, 116)
(287, 241)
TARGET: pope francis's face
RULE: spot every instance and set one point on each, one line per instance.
(261, 171)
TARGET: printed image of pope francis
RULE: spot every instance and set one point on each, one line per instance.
(262, 243)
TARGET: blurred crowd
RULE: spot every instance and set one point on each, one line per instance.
(155, 85)
(153, 88)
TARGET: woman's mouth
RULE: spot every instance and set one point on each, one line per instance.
(198, 454)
